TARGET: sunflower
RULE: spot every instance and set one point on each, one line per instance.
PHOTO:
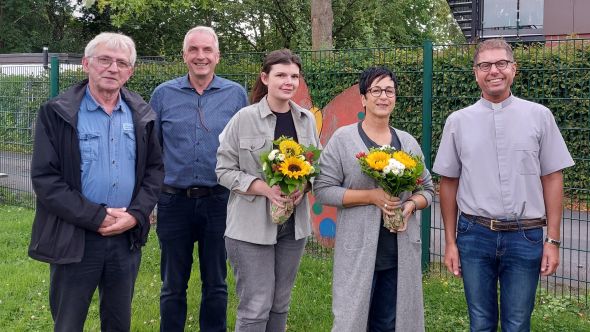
(378, 159)
(405, 159)
(294, 167)
(290, 148)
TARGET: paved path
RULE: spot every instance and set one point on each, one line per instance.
(18, 170)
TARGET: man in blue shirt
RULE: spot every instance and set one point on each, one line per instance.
(97, 172)
(192, 111)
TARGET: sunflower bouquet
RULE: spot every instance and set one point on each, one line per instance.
(290, 166)
(395, 171)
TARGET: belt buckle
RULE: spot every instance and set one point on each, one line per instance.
(492, 222)
(189, 191)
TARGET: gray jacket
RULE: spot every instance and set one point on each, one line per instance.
(357, 234)
(249, 133)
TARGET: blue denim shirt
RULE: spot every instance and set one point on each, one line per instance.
(107, 149)
(189, 125)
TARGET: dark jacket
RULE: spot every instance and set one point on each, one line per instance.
(63, 214)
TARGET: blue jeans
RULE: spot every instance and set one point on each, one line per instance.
(512, 258)
(107, 263)
(382, 311)
(182, 221)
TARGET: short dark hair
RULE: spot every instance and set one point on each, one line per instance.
(285, 57)
(369, 75)
(493, 44)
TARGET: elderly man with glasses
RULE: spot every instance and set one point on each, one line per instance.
(501, 162)
(97, 173)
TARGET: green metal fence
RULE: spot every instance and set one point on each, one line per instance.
(434, 81)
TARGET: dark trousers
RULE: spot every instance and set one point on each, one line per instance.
(107, 263)
(182, 221)
(382, 311)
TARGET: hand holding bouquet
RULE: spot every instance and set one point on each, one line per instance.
(290, 166)
(395, 171)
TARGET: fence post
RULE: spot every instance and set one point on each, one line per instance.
(426, 143)
(54, 77)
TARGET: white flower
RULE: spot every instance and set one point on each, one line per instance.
(302, 157)
(385, 147)
(396, 164)
(281, 157)
(272, 155)
(311, 170)
(386, 169)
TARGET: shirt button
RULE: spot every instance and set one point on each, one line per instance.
(113, 162)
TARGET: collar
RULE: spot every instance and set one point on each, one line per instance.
(93, 105)
(216, 83)
(497, 106)
(266, 111)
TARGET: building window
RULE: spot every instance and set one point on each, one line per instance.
(512, 18)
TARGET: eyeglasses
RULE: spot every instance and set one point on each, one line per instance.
(106, 62)
(377, 91)
(500, 64)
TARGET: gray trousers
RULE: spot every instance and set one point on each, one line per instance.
(265, 275)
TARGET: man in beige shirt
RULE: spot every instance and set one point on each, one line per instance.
(500, 162)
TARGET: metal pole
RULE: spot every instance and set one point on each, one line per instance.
(54, 77)
(426, 143)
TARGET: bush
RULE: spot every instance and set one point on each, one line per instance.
(556, 76)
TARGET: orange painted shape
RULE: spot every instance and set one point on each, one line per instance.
(341, 111)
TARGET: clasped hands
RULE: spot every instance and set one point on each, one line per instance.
(117, 221)
(277, 197)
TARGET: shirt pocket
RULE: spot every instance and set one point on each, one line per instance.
(129, 142)
(249, 154)
(89, 143)
(527, 159)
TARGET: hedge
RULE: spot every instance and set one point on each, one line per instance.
(555, 75)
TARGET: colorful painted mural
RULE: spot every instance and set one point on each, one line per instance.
(345, 109)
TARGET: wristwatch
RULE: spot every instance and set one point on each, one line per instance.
(554, 242)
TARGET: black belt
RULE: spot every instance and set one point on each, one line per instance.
(502, 225)
(194, 192)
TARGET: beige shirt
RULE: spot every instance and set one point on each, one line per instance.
(499, 153)
(249, 133)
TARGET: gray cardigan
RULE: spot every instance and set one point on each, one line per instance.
(357, 233)
(249, 133)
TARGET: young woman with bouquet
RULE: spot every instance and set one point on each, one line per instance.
(377, 281)
(264, 251)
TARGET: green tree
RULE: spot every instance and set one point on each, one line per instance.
(28, 25)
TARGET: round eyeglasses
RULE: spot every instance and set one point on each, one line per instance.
(377, 91)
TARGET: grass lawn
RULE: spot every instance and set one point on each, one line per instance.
(24, 293)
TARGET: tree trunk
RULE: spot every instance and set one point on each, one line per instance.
(322, 19)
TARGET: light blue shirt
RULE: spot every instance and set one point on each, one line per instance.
(107, 149)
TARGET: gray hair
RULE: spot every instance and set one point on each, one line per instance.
(114, 41)
(493, 44)
(203, 29)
